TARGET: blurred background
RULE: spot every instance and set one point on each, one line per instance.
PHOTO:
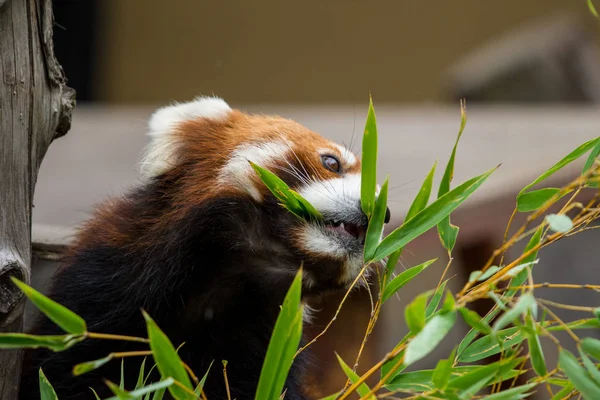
(528, 69)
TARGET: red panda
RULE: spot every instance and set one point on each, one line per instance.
(206, 250)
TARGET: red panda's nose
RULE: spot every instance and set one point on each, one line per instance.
(388, 215)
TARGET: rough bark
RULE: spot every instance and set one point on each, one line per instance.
(35, 108)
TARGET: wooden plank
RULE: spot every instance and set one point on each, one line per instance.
(35, 108)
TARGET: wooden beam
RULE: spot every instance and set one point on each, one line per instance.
(35, 108)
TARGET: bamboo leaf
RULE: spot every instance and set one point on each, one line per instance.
(167, 360)
(138, 393)
(592, 8)
(488, 345)
(515, 393)
(475, 321)
(423, 380)
(442, 373)
(578, 375)
(535, 348)
(288, 198)
(46, 390)
(88, 366)
(405, 277)
(430, 336)
(525, 303)
(590, 366)
(200, 385)
(569, 158)
(429, 217)
(435, 299)
(283, 344)
(559, 222)
(26, 341)
(591, 346)
(362, 389)
(375, 228)
(414, 313)
(66, 319)
(446, 231)
(536, 199)
(369, 162)
(422, 197)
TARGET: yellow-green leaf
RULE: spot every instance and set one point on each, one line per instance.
(26, 341)
(369, 162)
(475, 321)
(405, 277)
(167, 360)
(46, 390)
(578, 375)
(375, 228)
(414, 313)
(430, 336)
(66, 319)
(429, 217)
(362, 389)
(535, 348)
(283, 344)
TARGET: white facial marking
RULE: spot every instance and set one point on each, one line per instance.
(317, 241)
(348, 157)
(161, 153)
(238, 170)
(334, 196)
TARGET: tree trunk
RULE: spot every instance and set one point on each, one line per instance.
(35, 108)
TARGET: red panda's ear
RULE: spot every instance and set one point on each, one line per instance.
(162, 151)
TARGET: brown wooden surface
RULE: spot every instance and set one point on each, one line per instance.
(35, 108)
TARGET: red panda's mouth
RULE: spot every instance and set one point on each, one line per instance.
(347, 228)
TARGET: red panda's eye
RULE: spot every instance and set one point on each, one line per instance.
(331, 163)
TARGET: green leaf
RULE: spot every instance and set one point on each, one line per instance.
(475, 321)
(449, 303)
(517, 269)
(95, 394)
(446, 231)
(488, 345)
(502, 370)
(390, 265)
(405, 277)
(525, 303)
(517, 392)
(88, 366)
(597, 312)
(137, 393)
(375, 228)
(368, 184)
(593, 155)
(564, 392)
(435, 300)
(536, 199)
(592, 8)
(559, 222)
(572, 156)
(362, 389)
(66, 319)
(289, 199)
(590, 366)
(535, 348)
(578, 375)
(482, 276)
(423, 380)
(25, 341)
(422, 197)
(167, 361)
(46, 390)
(414, 313)
(442, 373)
(430, 336)
(429, 217)
(591, 346)
(140, 381)
(283, 344)
(120, 394)
(200, 386)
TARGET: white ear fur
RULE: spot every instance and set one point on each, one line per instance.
(161, 153)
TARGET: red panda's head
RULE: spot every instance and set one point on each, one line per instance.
(205, 147)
